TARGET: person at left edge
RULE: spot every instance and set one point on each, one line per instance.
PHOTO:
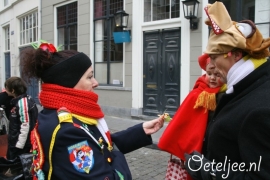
(6, 106)
(5, 102)
(22, 118)
(73, 132)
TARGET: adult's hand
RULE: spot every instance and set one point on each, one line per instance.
(154, 125)
(195, 165)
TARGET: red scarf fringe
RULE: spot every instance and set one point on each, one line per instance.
(80, 102)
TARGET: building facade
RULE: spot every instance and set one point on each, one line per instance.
(144, 77)
(19, 20)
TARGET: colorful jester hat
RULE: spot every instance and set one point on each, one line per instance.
(227, 35)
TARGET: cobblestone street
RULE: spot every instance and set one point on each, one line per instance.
(148, 164)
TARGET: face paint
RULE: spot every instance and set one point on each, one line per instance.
(220, 82)
(213, 77)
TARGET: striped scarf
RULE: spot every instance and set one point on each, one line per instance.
(240, 70)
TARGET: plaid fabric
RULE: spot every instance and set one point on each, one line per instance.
(176, 170)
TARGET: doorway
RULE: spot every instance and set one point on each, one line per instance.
(161, 71)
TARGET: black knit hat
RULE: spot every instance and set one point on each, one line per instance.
(68, 72)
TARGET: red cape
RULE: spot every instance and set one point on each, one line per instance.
(186, 130)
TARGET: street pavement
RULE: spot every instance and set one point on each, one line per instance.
(147, 163)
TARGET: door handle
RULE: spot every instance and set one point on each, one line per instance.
(171, 68)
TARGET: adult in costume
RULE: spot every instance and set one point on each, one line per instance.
(71, 139)
(238, 136)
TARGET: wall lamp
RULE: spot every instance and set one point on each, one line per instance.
(191, 8)
(121, 19)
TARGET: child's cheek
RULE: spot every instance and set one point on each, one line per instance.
(207, 79)
(220, 82)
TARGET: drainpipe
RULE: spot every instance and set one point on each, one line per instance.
(39, 33)
(39, 20)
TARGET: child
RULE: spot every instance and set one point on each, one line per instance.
(22, 118)
(185, 133)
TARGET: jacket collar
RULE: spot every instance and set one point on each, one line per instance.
(16, 99)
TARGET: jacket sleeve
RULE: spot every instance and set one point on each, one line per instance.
(254, 147)
(24, 118)
(131, 139)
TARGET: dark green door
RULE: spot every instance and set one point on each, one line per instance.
(161, 72)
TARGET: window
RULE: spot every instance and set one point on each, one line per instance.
(67, 26)
(29, 28)
(7, 52)
(7, 38)
(7, 65)
(251, 13)
(108, 55)
(155, 10)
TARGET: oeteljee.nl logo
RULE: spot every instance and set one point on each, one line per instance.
(226, 166)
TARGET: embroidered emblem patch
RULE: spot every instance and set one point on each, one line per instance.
(81, 156)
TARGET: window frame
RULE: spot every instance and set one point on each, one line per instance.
(66, 27)
(28, 32)
(7, 37)
(109, 20)
(151, 14)
(6, 51)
